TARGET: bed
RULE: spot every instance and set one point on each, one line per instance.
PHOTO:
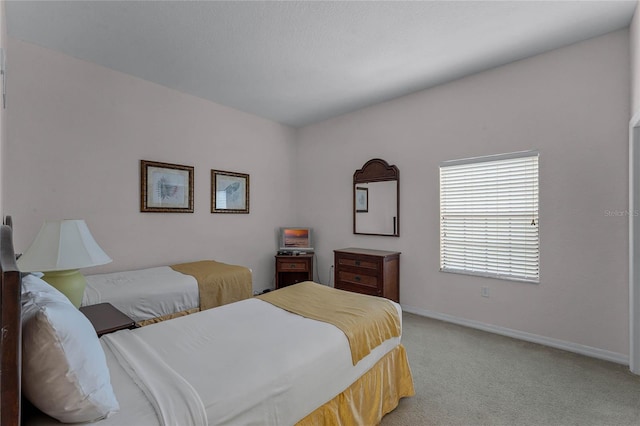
(155, 294)
(250, 362)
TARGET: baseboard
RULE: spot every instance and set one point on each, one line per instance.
(522, 335)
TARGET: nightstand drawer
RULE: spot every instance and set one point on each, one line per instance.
(292, 265)
(293, 269)
(357, 279)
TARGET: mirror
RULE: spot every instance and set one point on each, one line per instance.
(376, 199)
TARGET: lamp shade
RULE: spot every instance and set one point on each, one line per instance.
(62, 245)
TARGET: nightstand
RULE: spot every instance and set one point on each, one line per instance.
(105, 318)
(293, 269)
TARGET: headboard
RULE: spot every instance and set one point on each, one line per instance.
(10, 337)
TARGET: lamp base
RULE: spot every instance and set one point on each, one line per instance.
(71, 283)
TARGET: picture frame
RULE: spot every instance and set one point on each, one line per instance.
(362, 199)
(165, 187)
(229, 192)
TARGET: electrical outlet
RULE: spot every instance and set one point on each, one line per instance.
(484, 292)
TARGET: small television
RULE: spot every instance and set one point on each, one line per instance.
(296, 239)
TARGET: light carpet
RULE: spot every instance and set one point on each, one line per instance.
(469, 377)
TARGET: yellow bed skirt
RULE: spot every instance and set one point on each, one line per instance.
(370, 397)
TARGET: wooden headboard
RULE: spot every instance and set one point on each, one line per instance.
(10, 337)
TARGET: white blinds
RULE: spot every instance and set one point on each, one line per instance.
(489, 216)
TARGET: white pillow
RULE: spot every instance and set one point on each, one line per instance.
(33, 287)
(64, 369)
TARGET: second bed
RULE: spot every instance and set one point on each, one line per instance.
(155, 294)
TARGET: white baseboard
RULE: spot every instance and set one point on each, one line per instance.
(522, 335)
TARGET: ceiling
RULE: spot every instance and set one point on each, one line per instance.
(300, 62)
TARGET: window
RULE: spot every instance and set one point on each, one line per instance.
(489, 216)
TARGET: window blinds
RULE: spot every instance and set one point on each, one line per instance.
(489, 216)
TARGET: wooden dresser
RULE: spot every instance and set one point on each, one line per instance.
(374, 272)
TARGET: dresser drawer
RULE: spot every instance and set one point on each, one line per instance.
(293, 265)
(357, 263)
(358, 279)
(371, 291)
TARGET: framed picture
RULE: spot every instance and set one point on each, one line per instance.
(362, 199)
(165, 188)
(229, 192)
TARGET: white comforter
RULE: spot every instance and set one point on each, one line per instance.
(246, 363)
(145, 293)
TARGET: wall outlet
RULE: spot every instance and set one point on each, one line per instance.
(484, 292)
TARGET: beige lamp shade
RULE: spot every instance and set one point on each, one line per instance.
(62, 245)
(59, 250)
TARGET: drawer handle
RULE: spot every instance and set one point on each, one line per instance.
(293, 265)
(357, 278)
(357, 263)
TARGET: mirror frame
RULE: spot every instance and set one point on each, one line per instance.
(377, 170)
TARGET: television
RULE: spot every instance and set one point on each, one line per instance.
(296, 239)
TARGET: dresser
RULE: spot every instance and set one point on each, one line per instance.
(293, 269)
(373, 272)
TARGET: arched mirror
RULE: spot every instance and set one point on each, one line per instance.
(376, 199)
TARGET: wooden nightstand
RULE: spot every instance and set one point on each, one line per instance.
(293, 269)
(105, 318)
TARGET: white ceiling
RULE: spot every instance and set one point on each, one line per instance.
(300, 62)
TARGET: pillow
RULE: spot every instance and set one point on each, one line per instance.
(33, 287)
(64, 369)
(36, 292)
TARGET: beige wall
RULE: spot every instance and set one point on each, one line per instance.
(77, 134)
(572, 105)
(634, 37)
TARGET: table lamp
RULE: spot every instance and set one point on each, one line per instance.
(59, 250)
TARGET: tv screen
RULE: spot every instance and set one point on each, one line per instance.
(295, 239)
